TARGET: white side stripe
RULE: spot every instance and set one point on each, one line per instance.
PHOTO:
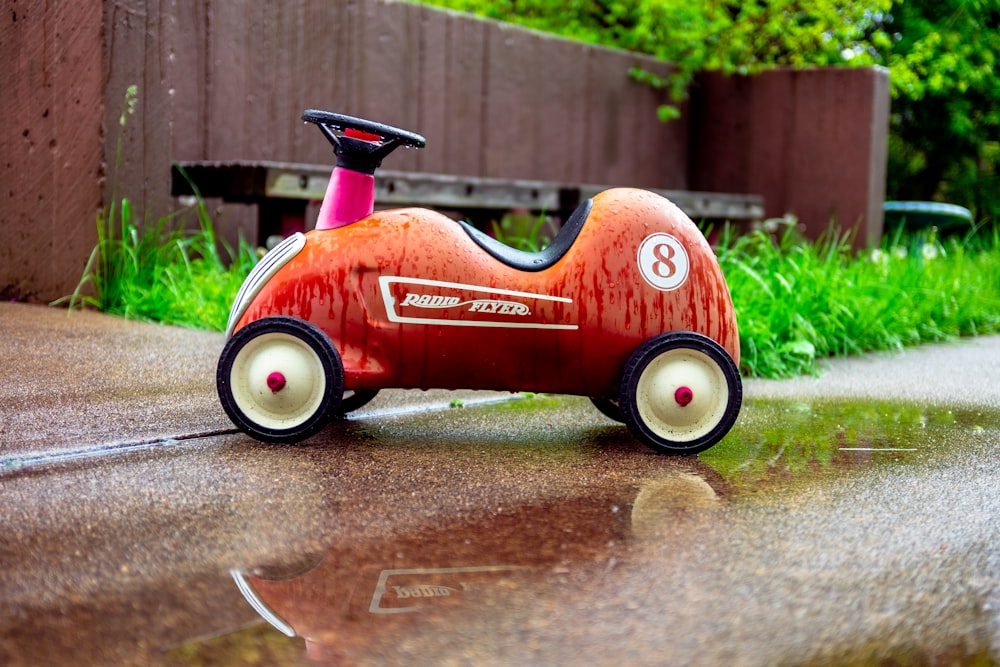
(390, 305)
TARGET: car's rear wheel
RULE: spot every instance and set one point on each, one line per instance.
(681, 393)
(280, 379)
(608, 408)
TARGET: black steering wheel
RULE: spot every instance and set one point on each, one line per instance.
(361, 154)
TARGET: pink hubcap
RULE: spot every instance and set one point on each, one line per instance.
(276, 382)
(683, 396)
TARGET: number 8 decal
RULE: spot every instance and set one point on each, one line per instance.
(663, 261)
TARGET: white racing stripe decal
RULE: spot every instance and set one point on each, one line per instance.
(505, 307)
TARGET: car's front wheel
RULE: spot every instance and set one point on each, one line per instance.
(681, 393)
(280, 379)
(355, 399)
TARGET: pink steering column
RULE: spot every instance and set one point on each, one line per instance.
(350, 196)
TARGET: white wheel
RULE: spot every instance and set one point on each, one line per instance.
(681, 393)
(278, 399)
(697, 387)
(280, 379)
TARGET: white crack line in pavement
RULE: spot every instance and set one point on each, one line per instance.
(15, 464)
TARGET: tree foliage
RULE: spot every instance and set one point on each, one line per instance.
(945, 140)
(734, 36)
(945, 125)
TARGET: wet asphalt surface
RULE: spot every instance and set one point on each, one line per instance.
(848, 519)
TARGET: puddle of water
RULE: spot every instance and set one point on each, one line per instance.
(608, 494)
(787, 443)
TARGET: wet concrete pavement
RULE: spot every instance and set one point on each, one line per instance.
(851, 518)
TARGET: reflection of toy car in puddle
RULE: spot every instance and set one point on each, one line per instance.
(354, 594)
(627, 306)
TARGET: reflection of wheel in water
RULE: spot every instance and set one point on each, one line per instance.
(354, 399)
(681, 393)
(288, 567)
(608, 408)
(662, 501)
(280, 379)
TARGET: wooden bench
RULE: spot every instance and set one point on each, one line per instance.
(282, 192)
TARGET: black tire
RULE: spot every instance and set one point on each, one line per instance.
(681, 393)
(354, 399)
(608, 408)
(290, 352)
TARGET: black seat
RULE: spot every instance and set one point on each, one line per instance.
(534, 261)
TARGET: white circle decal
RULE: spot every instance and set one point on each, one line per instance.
(663, 261)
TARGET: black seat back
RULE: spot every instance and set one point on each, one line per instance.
(534, 261)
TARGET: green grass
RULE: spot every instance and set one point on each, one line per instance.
(523, 231)
(170, 272)
(796, 302)
(799, 302)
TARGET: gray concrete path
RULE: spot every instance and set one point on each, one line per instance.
(82, 382)
(851, 518)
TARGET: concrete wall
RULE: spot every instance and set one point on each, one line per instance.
(229, 80)
(812, 142)
(51, 144)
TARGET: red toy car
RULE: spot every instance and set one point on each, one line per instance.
(627, 306)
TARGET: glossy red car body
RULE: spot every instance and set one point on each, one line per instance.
(412, 299)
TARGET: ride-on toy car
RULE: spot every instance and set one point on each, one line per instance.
(627, 306)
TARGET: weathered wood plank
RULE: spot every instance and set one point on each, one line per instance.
(255, 182)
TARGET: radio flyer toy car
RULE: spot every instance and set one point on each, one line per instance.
(627, 306)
